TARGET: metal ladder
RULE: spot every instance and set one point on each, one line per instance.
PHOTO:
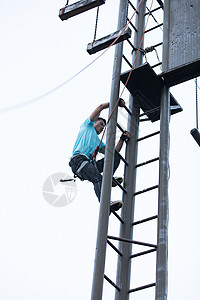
(125, 239)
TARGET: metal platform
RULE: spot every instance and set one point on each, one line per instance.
(106, 41)
(77, 8)
(145, 85)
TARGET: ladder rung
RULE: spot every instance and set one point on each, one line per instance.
(123, 159)
(148, 136)
(128, 110)
(131, 45)
(153, 10)
(129, 2)
(131, 241)
(160, 3)
(118, 217)
(114, 248)
(126, 60)
(147, 162)
(146, 190)
(120, 127)
(156, 65)
(145, 220)
(112, 283)
(142, 287)
(119, 185)
(132, 25)
(142, 120)
(143, 253)
(76, 8)
(154, 46)
(150, 111)
(106, 41)
(155, 27)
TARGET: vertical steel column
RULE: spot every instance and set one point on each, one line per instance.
(99, 265)
(126, 229)
(162, 239)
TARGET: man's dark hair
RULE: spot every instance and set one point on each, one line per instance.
(102, 120)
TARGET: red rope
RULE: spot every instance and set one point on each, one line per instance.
(116, 104)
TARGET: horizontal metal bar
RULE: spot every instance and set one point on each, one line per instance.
(156, 65)
(146, 190)
(144, 220)
(150, 111)
(147, 162)
(153, 10)
(151, 48)
(123, 159)
(118, 217)
(131, 44)
(160, 3)
(142, 287)
(153, 28)
(126, 60)
(143, 253)
(173, 107)
(128, 110)
(114, 248)
(131, 241)
(148, 136)
(119, 185)
(120, 128)
(112, 283)
(143, 120)
(129, 2)
(132, 25)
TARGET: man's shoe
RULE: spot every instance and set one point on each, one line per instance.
(115, 205)
(118, 179)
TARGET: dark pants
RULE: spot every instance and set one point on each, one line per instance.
(92, 170)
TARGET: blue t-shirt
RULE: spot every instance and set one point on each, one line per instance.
(87, 140)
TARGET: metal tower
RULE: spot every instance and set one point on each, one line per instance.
(149, 92)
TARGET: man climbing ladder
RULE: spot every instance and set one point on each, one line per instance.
(83, 162)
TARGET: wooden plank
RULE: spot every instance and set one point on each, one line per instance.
(106, 41)
(77, 8)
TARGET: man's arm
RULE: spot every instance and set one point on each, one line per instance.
(125, 136)
(95, 114)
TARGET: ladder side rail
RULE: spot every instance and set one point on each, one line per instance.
(162, 234)
(126, 229)
(163, 205)
(101, 243)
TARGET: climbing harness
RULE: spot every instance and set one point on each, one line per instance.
(83, 164)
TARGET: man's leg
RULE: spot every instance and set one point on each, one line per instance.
(88, 172)
(100, 163)
(91, 173)
(116, 161)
